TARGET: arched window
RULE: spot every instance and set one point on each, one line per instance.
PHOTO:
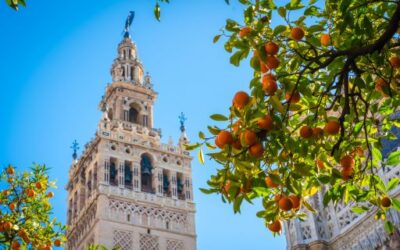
(146, 175)
(132, 72)
(133, 115)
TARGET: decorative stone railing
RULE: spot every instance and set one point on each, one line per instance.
(135, 129)
(146, 197)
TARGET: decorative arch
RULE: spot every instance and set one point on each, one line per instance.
(146, 167)
(134, 113)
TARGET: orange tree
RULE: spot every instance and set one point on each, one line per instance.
(16, 3)
(25, 211)
(325, 83)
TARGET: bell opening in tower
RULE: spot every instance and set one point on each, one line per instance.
(146, 174)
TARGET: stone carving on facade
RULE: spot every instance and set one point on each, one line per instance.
(123, 240)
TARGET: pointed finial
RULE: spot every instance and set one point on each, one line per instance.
(128, 23)
(182, 120)
(75, 147)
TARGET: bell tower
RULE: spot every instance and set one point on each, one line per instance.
(127, 188)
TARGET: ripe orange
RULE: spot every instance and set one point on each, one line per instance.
(358, 151)
(224, 138)
(269, 86)
(297, 33)
(256, 150)
(227, 186)
(271, 48)
(50, 194)
(294, 98)
(395, 62)
(325, 39)
(320, 164)
(250, 137)
(39, 185)
(12, 206)
(347, 162)
(346, 173)
(237, 144)
(10, 180)
(10, 170)
(275, 226)
(278, 197)
(269, 76)
(269, 182)
(272, 62)
(30, 192)
(241, 99)
(386, 202)
(236, 126)
(285, 204)
(15, 245)
(332, 127)
(295, 201)
(381, 86)
(263, 67)
(317, 132)
(7, 225)
(265, 122)
(306, 132)
(244, 31)
(57, 243)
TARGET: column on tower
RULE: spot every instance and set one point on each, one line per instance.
(121, 174)
(174, 186)
(136, 177)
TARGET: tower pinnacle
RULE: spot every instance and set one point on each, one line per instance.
(75, 148)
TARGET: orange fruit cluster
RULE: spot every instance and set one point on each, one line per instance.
(347, 163)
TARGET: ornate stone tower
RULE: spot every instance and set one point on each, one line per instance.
(128, 189)
(337, 227)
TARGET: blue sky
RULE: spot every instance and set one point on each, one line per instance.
(55, 63)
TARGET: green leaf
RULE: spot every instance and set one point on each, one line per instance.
(218, 117)
(393, 159)
(279, 29)
(261, 191)
(157, 12)
(201, 135)
(389, 228)
(275, 102)
(393, 184)
(216, 38)
(282, 12)
(208, 191)
(309, 207)
(200, 156)
(192, 146)
(376, 154)
(237, 203)
(359, 210)
(396, 204)
(238, 56)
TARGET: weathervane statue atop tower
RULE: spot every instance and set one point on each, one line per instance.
(128, 23)
(182, 119)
